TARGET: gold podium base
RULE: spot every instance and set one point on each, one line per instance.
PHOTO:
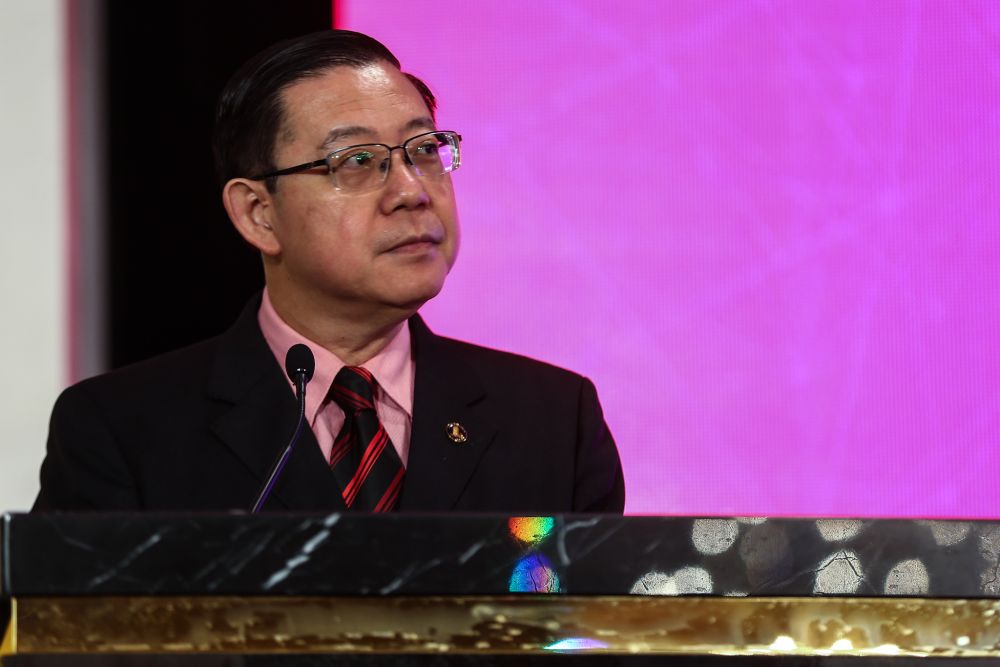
(507, 625)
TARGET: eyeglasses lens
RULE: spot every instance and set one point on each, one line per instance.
(365, 167)
(433, 154)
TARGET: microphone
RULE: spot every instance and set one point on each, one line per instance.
(299, 365)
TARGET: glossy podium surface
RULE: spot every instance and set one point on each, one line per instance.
(490, 589)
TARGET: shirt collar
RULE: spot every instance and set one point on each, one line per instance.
(393, 367)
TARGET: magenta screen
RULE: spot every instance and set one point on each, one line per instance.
(768, 231)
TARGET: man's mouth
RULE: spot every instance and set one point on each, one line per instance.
(415, 244)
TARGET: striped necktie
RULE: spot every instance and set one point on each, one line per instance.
(363, 459)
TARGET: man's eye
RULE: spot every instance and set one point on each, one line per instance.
(427, 148)
(357, 160)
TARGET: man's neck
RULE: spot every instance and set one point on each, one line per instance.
(353, 337)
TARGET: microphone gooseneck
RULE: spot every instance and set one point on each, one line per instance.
(299, 365)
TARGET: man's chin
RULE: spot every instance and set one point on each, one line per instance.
(413, 299)
(413, 302)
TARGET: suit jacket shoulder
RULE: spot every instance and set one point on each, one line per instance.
(537, 440)
(192, 429)
(100, 429)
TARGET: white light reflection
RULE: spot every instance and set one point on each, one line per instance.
(654, 583)
(693, 581)
(839, 574)
(685, 581)
(838, 530)
(714, 536)
(886, 649)
(947, 533)
(576, 644)
(783, 643)
(908, 577)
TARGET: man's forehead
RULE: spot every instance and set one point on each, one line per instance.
(347, 102)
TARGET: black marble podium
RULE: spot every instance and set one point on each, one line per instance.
(96, 589)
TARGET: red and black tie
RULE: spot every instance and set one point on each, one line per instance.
(363, 460)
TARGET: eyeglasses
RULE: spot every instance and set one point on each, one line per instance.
(364, 167)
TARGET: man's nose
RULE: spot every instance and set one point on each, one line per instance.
(402, 181)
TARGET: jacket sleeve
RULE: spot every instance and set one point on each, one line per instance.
(84, 468)
(599, 485)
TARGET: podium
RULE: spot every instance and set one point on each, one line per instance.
(233, 589)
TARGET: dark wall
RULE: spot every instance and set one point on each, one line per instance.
(178, 272)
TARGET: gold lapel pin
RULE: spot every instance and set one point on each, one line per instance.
(456, 432)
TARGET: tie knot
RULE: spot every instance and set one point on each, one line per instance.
(353, 389)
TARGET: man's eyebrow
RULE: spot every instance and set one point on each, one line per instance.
(338, 133)
(424, 122)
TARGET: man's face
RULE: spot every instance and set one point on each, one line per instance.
(361, 253)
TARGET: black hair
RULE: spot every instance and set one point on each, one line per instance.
(250, 111)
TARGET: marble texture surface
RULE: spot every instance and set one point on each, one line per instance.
(352, 554)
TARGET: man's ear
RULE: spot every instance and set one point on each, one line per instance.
(251, 209)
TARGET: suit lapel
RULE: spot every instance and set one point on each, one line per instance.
(256, 416)
(446, 391)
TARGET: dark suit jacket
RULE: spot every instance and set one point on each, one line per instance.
(198, 428)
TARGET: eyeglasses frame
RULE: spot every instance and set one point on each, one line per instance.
(325, 161)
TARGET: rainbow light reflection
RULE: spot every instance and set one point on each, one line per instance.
(534, 574)
(530, 529)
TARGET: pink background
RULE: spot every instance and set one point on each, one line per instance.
(768, 231)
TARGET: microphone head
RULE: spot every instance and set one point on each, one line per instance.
(299, 361)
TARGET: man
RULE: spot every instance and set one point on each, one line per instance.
(335, 171)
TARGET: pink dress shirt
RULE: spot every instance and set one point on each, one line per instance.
(393, 369)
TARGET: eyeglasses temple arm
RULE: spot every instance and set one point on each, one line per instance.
(291, 170)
